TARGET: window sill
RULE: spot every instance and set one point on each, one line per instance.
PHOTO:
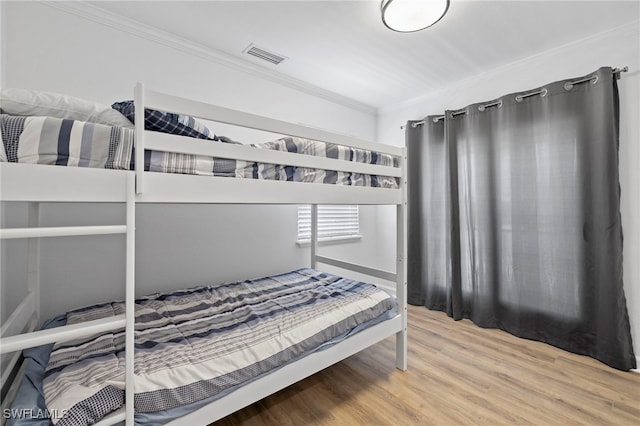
(330, 240)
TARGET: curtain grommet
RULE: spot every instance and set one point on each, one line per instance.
(542, 92)
(484, 107)
(569, 84)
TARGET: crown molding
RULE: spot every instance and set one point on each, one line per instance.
(122, 23)
(629, 29)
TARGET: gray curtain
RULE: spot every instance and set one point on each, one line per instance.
(514, 216)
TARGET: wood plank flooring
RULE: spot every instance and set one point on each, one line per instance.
(459, 374)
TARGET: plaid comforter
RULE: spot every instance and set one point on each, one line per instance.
(195, 343)
(48, 140)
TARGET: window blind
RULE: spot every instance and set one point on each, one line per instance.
(333, 221)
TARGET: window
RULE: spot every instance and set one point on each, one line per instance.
(334, 223)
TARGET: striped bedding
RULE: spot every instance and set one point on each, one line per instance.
(195, 343)
(55, 141)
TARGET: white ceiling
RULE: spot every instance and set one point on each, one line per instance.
(343, 47)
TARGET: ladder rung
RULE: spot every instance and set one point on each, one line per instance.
(61, 231)
(60, 334)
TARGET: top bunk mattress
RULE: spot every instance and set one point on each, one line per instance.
(75, 143)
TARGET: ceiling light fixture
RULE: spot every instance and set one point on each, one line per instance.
(407, 16)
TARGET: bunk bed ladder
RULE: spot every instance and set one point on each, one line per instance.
(130, 298)
(19, 326)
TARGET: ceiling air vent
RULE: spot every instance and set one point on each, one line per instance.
(263, 54)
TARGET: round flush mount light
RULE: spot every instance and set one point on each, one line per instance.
(407, 16)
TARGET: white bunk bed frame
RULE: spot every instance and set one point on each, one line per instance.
(37, 183)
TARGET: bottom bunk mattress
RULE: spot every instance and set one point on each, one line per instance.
(198, 344)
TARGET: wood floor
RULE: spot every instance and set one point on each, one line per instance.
(459, 374)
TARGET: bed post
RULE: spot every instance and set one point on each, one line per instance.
(139, 103)
(401, 266)
(314, 235)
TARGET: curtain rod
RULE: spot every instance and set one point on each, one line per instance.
(568, 85)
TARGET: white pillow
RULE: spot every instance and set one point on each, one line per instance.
(44, 104)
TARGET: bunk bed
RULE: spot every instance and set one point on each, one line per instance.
(35, 183)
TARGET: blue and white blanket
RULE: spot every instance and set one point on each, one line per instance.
(194, 343)
(56, 141)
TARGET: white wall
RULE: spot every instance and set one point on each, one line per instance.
(177, 246)
(617, 48)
